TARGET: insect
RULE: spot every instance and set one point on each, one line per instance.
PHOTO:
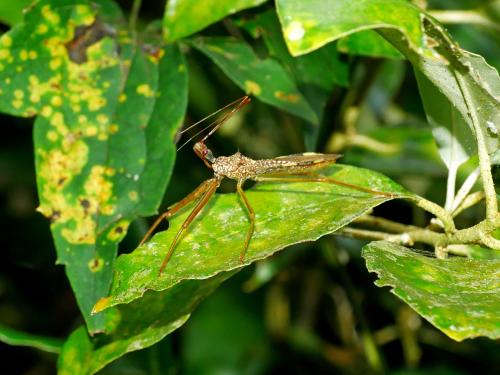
(291, 168)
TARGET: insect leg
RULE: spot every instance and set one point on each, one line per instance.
(312, 177)
(212, 186)
(196, 193)
(251, 215)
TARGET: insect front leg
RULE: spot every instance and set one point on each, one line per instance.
(251, 215)
(211, 187)
(195, 194)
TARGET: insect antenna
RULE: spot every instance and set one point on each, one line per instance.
(218, 122)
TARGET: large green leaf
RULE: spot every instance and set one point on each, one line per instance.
(286, 213)
(103, 148)
(185, 17)
(459, 296)
(470, 85)
(264, 78)
(152, 307)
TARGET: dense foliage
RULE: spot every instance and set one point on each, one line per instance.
(412, 106)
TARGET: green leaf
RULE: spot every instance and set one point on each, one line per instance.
(264, 78)
(103, 148)
(11, 12)
(471, 85)
(307, 71)
(286, 213)
(14, 337)
(245, 348)
(185, 17)
(449, 128)
(135, 326)
(308, 25)
(459, 296)
(368, 43)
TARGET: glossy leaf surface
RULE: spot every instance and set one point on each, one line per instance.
(185, 17)
(286, 213)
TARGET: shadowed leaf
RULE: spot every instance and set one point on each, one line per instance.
(264, 78)
(459, 296)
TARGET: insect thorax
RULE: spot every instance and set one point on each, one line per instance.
(236, 167)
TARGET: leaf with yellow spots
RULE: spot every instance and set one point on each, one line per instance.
(264, 78)
(307, 71)
(104, 149)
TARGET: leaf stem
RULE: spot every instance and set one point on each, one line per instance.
(134, 15)
(484, 157)
(465, 189)
(469, 201)
(463, 17)
(438, 211)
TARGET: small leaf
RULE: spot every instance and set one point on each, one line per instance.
(185, 17)
(286, 213)
(459, 296)
(14, 337)
(264, 78)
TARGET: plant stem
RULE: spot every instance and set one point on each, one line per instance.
(409, 234)
(450, 187)
(465, 189)
(463, 16)
(134, 15)
(388, 225)
(484, 157)
(469, 201)
(436, 210)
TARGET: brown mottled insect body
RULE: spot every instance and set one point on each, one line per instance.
(291, 168)
(240, 167)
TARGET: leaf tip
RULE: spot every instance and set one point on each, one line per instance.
(101, 305)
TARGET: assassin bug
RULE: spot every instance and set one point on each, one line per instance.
(290, 168)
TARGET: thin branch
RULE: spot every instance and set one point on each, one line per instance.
(436, 210)
(387, 225)
(469, 201)
(484, 157)
(465, 189)
(134, 15)
(463, 17)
